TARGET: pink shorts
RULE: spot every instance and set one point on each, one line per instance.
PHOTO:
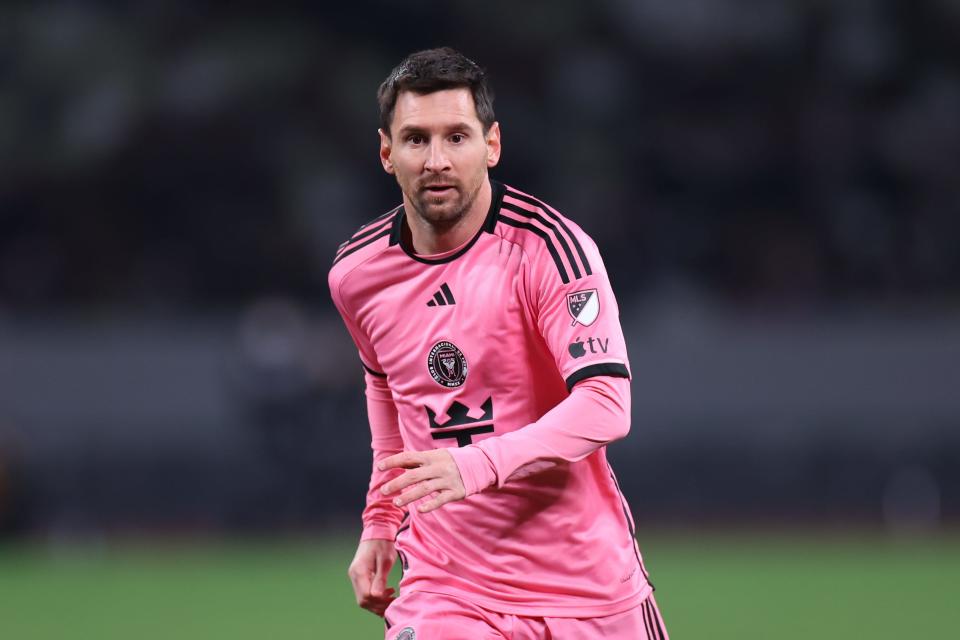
(419, 615)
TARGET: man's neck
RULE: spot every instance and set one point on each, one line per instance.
(426, 239)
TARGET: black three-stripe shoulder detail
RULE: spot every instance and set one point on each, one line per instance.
(614, 369)
(543, 234)
(550, 212)
(549, 225)
(383, 232)
(367, 228)
(375, 225)
(365, 232)
(372, 372)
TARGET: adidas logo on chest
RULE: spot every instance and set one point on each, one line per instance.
(442, 297)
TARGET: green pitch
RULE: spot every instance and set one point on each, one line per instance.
(709, 585)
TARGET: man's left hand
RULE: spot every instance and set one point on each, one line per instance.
(427, 472)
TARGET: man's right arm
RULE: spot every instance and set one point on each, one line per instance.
(381, 518)
(376, 553)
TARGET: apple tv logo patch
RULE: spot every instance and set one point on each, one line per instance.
(578, 350)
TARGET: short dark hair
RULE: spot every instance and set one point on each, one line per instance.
(435, 70)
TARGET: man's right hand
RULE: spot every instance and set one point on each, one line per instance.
(368, 573)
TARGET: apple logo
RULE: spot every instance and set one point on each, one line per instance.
(576, 349)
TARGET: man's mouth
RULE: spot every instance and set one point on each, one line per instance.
(438, 189)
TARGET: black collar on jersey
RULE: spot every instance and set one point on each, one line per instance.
(496, 198)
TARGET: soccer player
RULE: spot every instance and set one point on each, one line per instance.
(496, 372)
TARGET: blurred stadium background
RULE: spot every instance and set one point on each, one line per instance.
(776, 190)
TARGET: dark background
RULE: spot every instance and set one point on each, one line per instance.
(775, 187)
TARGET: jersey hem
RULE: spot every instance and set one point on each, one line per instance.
(550, 611)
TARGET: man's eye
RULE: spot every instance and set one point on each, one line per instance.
(415, 139)
(457, 138)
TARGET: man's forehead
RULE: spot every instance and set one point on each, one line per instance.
(435, 109)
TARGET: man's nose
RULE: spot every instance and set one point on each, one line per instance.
(437, 159)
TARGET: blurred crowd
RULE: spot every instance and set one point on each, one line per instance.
(175, 177)
(175, 156)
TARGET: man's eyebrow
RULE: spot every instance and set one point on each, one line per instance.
(460, 126)
(409, 129)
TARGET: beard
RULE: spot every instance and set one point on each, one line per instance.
(444, 210)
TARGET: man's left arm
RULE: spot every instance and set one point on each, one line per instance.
(596, 413)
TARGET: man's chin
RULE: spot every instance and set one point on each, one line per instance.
(439, 212)
(446, 199)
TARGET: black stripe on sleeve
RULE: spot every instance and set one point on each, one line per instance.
(357, 247)
(550, 212)
(549, 225)
(614, 369)
(447, 293)
(540, 232)
(372, 372)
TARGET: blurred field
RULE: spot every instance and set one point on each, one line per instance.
(709, 586)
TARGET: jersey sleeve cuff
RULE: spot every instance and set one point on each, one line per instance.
(615, 369)
(475, 468)
(372, 372)
(378, 532)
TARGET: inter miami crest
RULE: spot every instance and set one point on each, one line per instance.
(447, 364)
(584, 306)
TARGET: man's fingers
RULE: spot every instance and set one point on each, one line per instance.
(427, 472)
(378, 605)
(403, 460)
(386, 597)
(405, 479)
(368, 574)
(379, 585)
(417, 492)
(361, 585)
(437, 501)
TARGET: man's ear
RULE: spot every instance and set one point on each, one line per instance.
(385, 148)
(493, 145)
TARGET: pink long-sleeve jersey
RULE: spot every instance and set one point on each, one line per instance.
(509, 351)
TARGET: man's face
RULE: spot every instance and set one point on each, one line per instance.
(439, 154)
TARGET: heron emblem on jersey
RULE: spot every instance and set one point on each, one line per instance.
(447, 364)
(584, 306)
(407, 634)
